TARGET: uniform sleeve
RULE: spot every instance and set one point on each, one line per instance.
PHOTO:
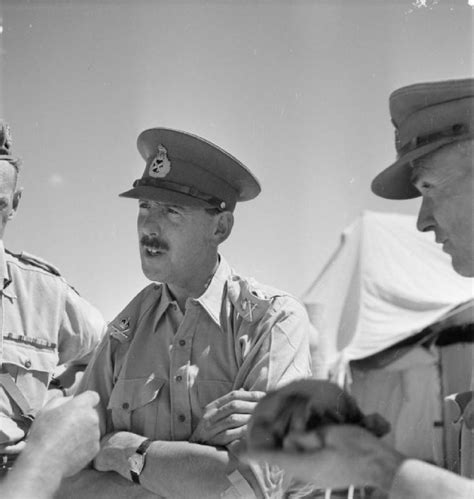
(419, 480)
(81, 329)
(276, 351)
(99, 377)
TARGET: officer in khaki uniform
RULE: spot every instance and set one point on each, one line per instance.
(182, 366)
(43, 323)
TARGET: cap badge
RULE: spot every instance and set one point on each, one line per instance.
(161, 165)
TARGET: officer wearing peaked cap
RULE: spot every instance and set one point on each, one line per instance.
(426, 117)
(434, 138)
(187, 359)
(434, 141)
(44, 323)
(185, 169)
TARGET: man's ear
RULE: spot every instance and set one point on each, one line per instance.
(15, 202)
(224, 224)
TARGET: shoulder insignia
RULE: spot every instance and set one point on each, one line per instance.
(36, 261)
(123, 327)
(119, 329)
(250, 302)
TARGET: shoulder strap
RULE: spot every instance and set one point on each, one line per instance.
(36, 261)
(16, 395)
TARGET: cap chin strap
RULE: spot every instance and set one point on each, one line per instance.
(182, 189)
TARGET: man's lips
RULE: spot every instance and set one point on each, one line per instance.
(152, 250)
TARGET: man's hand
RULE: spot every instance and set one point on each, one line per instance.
(11, 436)
(225, 419)
(65, 434)
(115, 449)
(334, 456)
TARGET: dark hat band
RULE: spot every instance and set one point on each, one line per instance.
(454, 131)
(182, 189)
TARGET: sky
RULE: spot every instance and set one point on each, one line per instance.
(296, 90)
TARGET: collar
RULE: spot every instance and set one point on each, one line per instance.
(165, 301)
(211, 299)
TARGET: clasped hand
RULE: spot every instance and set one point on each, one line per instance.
(225, 419)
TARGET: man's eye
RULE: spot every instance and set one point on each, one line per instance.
(143, 205)
(425, 185)
(172, 211)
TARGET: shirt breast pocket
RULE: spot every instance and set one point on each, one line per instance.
(133, 405)
(31, 368)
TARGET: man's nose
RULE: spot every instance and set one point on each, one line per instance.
(151, 223)
(425, 220)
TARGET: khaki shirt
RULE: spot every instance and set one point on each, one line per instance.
(157, 369)
(43, 323)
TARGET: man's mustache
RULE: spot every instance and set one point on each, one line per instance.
(154, 242)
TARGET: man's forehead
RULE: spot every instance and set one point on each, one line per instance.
(442, 163)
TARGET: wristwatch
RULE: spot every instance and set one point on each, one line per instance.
(136, 461)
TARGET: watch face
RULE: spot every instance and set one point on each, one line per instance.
(136, 462)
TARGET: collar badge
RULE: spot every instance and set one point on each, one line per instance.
(161, 165)
(124, 324)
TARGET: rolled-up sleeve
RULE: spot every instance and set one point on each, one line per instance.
(276, 352)
(81, 329)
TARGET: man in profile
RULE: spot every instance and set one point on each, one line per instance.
(44, 323)
(434, 139)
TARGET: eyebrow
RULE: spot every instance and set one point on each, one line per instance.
(418, 168)
(165, 205)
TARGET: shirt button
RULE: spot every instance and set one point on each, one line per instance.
(182, 418)
(179, 378)
(125, 405)
(28, 364)
(182, 343)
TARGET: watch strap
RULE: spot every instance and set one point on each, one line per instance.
(141, 450)
(143, 447)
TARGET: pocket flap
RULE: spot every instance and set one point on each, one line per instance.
(130, 394)
(28, 357)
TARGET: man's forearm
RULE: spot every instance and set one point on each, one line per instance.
(91, 484)
(31, 478)
(418, 480)
(184, 469)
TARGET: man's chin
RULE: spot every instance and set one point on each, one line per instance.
(462, 267)
(152, 273)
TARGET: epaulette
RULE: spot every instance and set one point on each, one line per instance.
(119, 329)
(249, 300)
(36, 262)
(123, 327)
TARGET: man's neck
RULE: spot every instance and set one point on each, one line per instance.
(196, 287)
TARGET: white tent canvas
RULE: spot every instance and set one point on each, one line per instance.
(385, 283)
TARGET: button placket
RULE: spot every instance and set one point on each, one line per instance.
(179, 362)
